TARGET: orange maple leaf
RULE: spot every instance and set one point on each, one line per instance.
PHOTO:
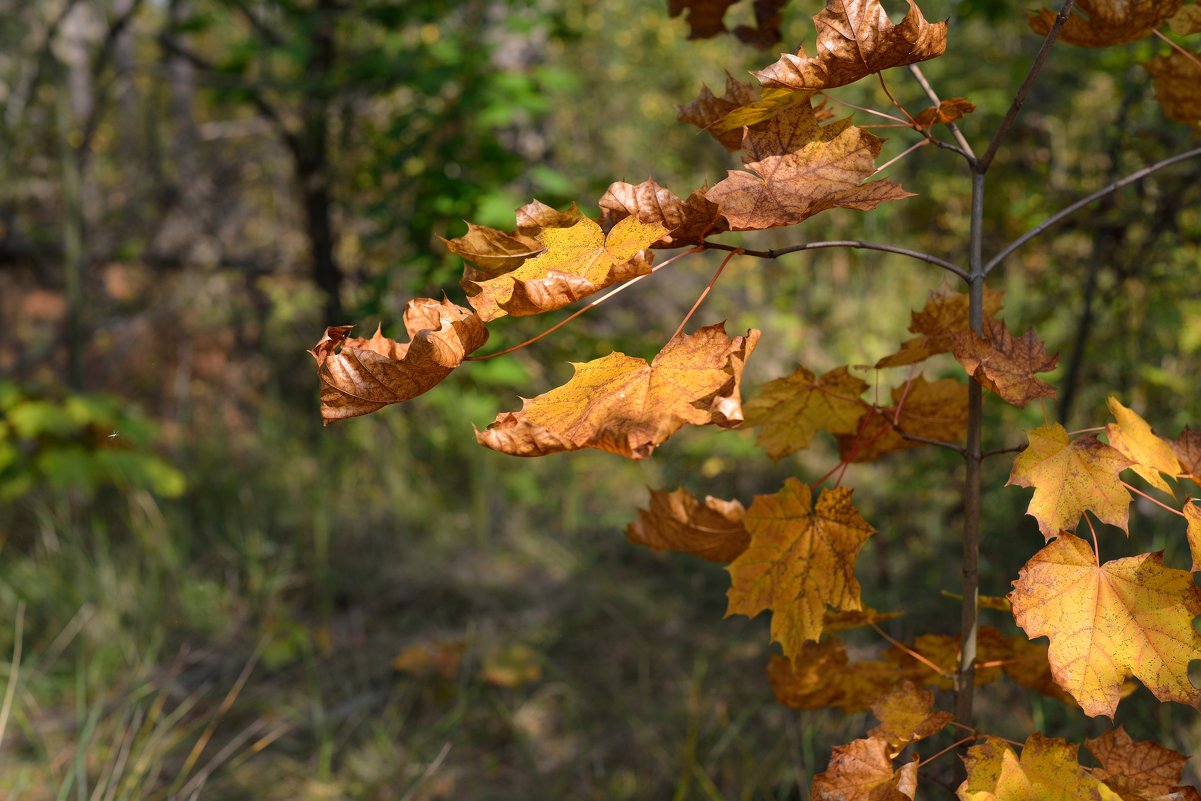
(1004, 364)
(855, 38)
(862, 771)
(676, 521)
(1192, 513)
(798, 168)
(1071, 476)
(907, 715)
(791, 410)
(948, 110)
(1129, 616)
(1102, 23)
(935, 410)
(801, 558)
(360, 376)
(1139, 771)
(944, 315)
(577, 261)
(686, 221)
(1149, 454)
(824, 677)
(623, 405)
(1048, 770)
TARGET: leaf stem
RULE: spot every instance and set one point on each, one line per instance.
(964, 145)
(1096, 545)
(999, 451)
(578, 312)
(705, 291)
(984, 162)
(1084, 201)
(775, 253)
(867, 110)
(1080, 431)
(908, 650)
(950, 747)
(1158, 503)
(903, 154)
(1191, 56)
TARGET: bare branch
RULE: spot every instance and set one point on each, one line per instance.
(964, 145)
(1019, 100)
(938, 443)
(1084, 201)
(845, 243)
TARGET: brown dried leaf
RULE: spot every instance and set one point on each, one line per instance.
(577, 262)
(907, 715)
(1149, 454)
(1139, 771)
(944, 315)
(1027, 665)
(798, 168)
(791, 410)
(801, 558)
(687, 221)
(1192, 513)
(436, 656)
(1003, 364)
(491, 251)
(1187, 448)
(511, 665)
(535, 217)
(931, 410)
(1177, 79)
(708, 110)
(360, 376)
(1101, 23)
(1186, 21)
(855, 38)
(704, 17)
(766, 31)
(862, 771)
(623, 405)
(1070, 477)
(948, 110)
(1127, 617)
(676, 521)
(823, 677)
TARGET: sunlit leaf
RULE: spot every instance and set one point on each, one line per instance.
(676, 521)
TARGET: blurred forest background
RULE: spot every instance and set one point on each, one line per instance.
(209, 596)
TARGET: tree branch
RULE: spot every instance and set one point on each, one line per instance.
(1019, 100)
(1133, 177)
(775, 253)
(938, 443)
(964, 145)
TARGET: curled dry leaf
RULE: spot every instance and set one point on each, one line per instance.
(1102, 23)
(789, 411)
(535, 217)
(1048, 770)
(1149, 455)
(1177, 80)
(1187, 448)
(801, 558)
(935, 410)
(687, 222)
(491, 251)
(623, 405)
(1071, 476)
(677, 521)
(797, 168)
(944, 315)
(907, 715)
(855, 38)
(823, 677)
(862, 771)
(1127, 617)
(1004, 364)
(577, 262)
(1139, 771)
(949, 110)
(359, 376)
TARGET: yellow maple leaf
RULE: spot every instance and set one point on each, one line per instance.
(862, 771)
(907, 715)
(1149, 454)
(791, 410)
(801, 558)
(576, 262)
(1071, 476)
(1192, 513)
(676, 521)
(623, 405)
(1048, 770)
(1127, 617)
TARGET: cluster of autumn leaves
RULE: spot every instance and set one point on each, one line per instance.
(792, 554)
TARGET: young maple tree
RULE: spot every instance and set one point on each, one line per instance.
(793, 553)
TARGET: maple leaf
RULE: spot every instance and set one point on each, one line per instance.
(1139, 771)
(708, 109)
(676, 521)
(1186, 21)
(801, 558)
(791, 410)
(1004, 364)
(944, 315)
(844, 619)
(1192, 513)
(855, 38)
(823, 677)
(1108, 22)
(907, 715)
(1187, 448)
(947, 111)
(623, 405)
(1048, 770)
(704, 17)
(535, 217)
(798, 168)
(577, 261)
(1069, 477)
(935, 410)
(1129, 616)
(360, 376)
(491, 251)
(1177, 80)
(1027, 665)
(687, 222)
(862, 771)
(766, 31)
(1149, 454)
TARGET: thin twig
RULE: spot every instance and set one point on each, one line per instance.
(1158, 503)
(867, 110)
(705, 292)
(964, 145)
(1191, 56)
(903, 154)
(1084, 201)
(938, 443)
(775, 253)
(580, 311)
(908, 650)
(893, 100)
(929, 137)
(999, 451)
(950, 747)
(1019, 100)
